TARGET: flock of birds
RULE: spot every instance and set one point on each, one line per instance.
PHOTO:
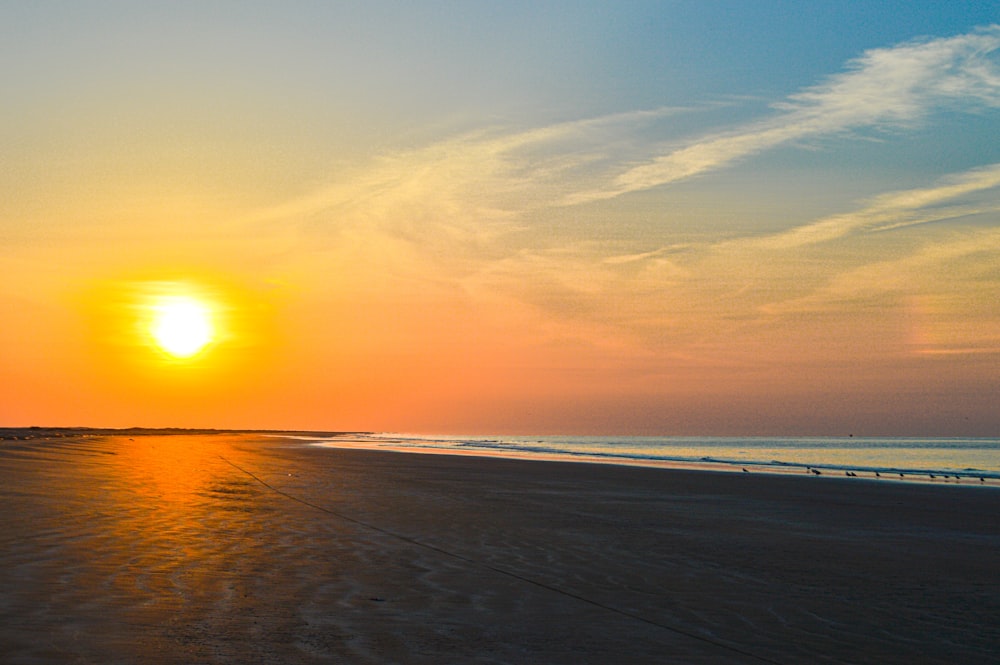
(932, 476)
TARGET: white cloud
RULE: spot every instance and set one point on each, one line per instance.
(883, 88)
(473, 187)
(894, 210)
(913, 273)
(453, 204)
(476, 184)
(644, 256)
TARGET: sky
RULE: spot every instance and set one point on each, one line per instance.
(689, 217)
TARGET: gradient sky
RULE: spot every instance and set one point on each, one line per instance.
(681, 217)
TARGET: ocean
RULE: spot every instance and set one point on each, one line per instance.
(955, 460)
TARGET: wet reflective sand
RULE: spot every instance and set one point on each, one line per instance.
(247, 549)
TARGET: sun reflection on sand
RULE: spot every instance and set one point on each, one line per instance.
(180, 527)
(171, 471)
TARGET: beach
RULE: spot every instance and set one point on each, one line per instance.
(243, 548)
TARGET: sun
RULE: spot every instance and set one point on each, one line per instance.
(181, 325)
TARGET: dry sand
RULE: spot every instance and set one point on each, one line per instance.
(165, 549)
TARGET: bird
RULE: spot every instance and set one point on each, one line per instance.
(745, 470)
(816, 471)
(878, 475)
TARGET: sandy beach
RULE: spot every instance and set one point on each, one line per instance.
(233, 548)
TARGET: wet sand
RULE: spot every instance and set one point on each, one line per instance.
(246, 549)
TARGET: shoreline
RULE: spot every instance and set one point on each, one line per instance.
(967, 478)
(419, 444)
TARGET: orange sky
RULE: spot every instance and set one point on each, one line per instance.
(811, 254)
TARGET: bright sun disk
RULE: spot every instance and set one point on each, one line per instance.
(181, 326)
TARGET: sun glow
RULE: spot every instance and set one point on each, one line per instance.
(181, 326)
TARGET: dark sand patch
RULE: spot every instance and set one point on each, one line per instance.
(165, 549)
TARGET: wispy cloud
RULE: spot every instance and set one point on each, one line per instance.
(478, 185)
(895, 210)
(912, 273)
(473, 181)
(887, 87)
(455, 208)
(693, 292)
(644, 256)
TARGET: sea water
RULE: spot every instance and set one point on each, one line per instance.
(939, 459)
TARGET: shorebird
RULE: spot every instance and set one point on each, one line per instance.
(816, 471)
(878, 475)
